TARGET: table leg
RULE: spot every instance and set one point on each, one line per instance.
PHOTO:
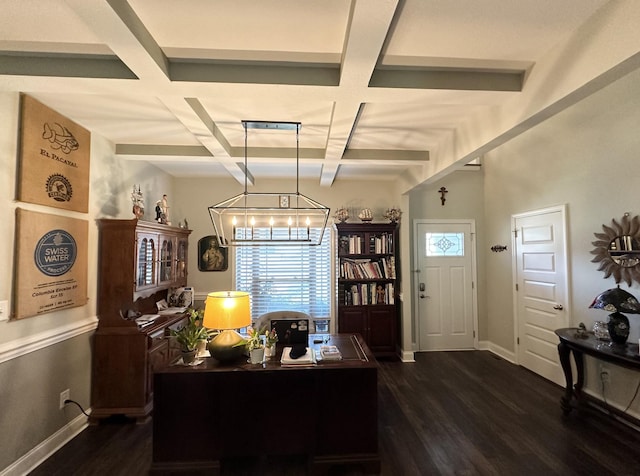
(565, 353)
(577, 356)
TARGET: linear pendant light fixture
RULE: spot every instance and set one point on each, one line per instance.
(269, 218)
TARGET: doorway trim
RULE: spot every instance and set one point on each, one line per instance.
(416, 278)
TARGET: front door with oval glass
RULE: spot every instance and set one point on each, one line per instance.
(445, 290)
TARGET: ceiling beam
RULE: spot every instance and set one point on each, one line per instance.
(369, 24)
(115, 22)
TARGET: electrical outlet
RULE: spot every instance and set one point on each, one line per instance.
(64, 396)
(604, 374)
(4, 310)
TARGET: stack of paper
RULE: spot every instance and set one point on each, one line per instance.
(330, 352)
(307, 359)
(172, 310)
(146, 319)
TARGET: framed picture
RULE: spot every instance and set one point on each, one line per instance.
(54, 156)
(211, 257)
(51, 263)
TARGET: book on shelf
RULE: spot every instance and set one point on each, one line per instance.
(381, 244)
(367, 268)
(355, 244)
(360, 294)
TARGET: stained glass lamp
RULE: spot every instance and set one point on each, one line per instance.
(616, 300)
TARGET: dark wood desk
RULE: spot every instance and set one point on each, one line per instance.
(328, 412)
(586, 343)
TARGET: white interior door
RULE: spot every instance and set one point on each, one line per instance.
(541, 289)
(446, 294)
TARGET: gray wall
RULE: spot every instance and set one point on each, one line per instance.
(587, 158)
(43, 355)
(464, 200)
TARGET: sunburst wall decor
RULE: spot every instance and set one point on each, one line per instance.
(618, 249)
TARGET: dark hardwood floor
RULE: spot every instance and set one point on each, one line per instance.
(450, 413)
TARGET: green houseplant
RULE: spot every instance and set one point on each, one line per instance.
(254, 344)
(190, 335)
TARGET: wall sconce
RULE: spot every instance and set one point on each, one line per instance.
(498, 248)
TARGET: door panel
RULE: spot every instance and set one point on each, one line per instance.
(445, 308)
(541, 294)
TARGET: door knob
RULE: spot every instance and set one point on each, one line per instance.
(558, 307)
(422, 296)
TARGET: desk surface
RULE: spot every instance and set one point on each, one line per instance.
(355, 354)
(625, 354)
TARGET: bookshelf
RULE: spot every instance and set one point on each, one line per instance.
(368, 284)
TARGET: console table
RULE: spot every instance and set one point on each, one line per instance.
(328, 412)
(580, 343)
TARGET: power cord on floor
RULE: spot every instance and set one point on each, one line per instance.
(604, 396)
(76, 403)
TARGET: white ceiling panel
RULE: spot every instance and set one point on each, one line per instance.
(403, 90)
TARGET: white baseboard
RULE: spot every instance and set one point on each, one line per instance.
(408, 356)
(499, 351)
(615, 405)
(40, 453)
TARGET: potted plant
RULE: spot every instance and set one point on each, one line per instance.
(254, 344)
(270, 339)
(191, 335)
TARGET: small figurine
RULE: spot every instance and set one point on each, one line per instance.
(342, 215)
(380, 294)
(138, 202)
(393, 214)
(365, 215)
(162, 211)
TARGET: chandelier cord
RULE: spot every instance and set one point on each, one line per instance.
(246, 171)
(297, 160)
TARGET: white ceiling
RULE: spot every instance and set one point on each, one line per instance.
(384, 89)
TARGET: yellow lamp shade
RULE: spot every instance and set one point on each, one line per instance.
(227, 310)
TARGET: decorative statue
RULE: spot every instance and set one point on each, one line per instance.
(393, 214)
(138, 202)
(162, 211)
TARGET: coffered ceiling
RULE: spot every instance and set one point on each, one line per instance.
(405, 90)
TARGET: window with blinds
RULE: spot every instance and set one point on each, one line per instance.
(286, 277)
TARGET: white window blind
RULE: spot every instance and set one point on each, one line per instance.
(286, 277)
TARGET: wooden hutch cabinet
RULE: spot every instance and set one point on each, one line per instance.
(368, 284)
(138, 262)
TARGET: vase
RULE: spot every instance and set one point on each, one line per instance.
(256, 356)
(270, 351)
(189, 357)
(201, 348)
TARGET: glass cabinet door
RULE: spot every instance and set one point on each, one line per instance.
(167, 258)
(146, 266)
(181, 261)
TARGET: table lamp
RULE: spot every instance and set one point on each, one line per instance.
(227, 311)
(616, 300)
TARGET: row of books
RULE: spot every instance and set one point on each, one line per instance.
(382, 268)
(355, 245)
(362, 294)
(381, 244)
